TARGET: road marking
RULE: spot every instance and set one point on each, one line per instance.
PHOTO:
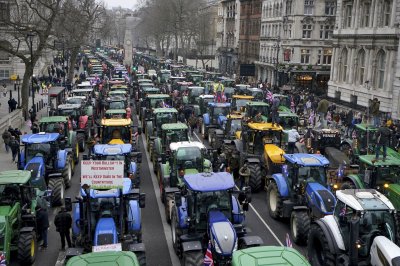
(256, 212)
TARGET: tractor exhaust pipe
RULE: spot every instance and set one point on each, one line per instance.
(354, 241)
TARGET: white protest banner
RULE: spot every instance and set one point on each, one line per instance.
(110, 247)
(102, 174)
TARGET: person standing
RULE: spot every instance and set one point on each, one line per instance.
(322, 110)
(382, 140)
(14, 145)
(219, 90)
(274, 110)
(63, 223)
(244, 174)
(6, 138)
(42, 221)
(374, 111)
(293, 137)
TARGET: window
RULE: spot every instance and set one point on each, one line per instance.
(326, 32)
(387, 10)
(327, 56)
(4, 74)
(380, 71)
(348, 9)
(4, 12)
(289, 7)
(330, 7)
(4, 56)
(361, 67)
(308, 7)
(307, 29)
(366, 9)
(343, 72)
(305, 56)
(290, 32)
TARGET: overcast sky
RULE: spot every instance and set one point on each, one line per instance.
(123, 3)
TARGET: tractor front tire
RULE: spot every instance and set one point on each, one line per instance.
(176, 233)
(27, 248)
(67, 173)
(57, 186)
(141, 256)
(81, 142)
(255, 180)
(318, 249)
(275, 201)
(299, 227)
(193, 258)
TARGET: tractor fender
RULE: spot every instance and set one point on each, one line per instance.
(75, 220)
(356, 180)
(132, 168)
(333, 235)
(191, 246)
(83, 119)
(61, 159)
(157, 145)
(135, 223)
(281, 184)
(137, 247)
(71, 138)
(253, 160)
(164, 170)
(274, 153)
(206, 119)
(251, 241)
(182, 214)
(27, 229)
(238, 145)
(318, 195)
(301, 147)
(238, 216)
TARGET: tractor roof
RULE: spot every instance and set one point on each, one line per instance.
(254, 89)
(145, 80)
(14, 177)
(205, 182)
(207, 96)
(283, 108)
(390, 161)
(116, 92)
(195, 87)
(54, 119)
(115, 111)
(77, 97)
(164, 110)
(287, 114)
(158, 96)
(234, 116)
(82, 90)
(306, 159)
(40, 137)
(243, 97)
(257, 104)
(119, 86)
(112, 149)
(150, 89)
(174, 126)
(364, 199)
(366, 127)
(242, 86)
(186, 144)
(69, 106)
(114, 122)
(145, 85)
(214, 104)
(263, 126)
(268, 256)
(105, 258)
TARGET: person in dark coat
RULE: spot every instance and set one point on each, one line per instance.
(6, 138)
(14, 145)
(42, 222)
(382, 140)
(63, 223)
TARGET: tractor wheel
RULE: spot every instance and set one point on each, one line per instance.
(397, 217)
(141, 256)
(67, 173)
(154, 158)
(255, 181)
(318, 249)
(193, 258)
(168, 204)
(347, 185)
(81, 142)
(211, 137)
(57, 186)
(176, 233)
(346, 149)
(27, 248)
(299, 227)
(204, 131)
(275, 201)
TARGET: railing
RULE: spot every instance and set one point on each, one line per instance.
(14, 119)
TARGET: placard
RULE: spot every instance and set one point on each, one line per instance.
(110, 247)
(102, 174)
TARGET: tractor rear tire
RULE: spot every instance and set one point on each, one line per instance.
(204, 132)
(81, 142)
(299, 227)
(347, 185)
(141, 256)
(176, 233)
(57, 186)
(67, 173)
(168, 204)
(275, 201)
(318, 249)
(193, 258)
(27, 248)
(255, 180)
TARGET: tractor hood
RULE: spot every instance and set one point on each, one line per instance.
(393, 194)
(222, 234)
(274, 153)
(320, 197)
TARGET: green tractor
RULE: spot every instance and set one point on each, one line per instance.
(184, 158)
(151, 102)
(18, 200)
(171, 132)
(253, 108)
(105, 258)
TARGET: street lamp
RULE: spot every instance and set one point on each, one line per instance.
(17, 84)
(30, 36)
(277, 46)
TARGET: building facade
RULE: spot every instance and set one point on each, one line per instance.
(296, 43)
(365, 54)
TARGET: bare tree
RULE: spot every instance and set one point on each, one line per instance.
(28, 17)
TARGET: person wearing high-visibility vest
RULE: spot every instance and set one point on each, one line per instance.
(219, 90)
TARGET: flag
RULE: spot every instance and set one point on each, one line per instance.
(3, 261)
(208, 259)
(288, 242)
(343, 211)
(166, 105)
(270, 96)
(354, 135)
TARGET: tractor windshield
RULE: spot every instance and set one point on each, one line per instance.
(74, 101)
(220, 111)
(254, 110)
(233, 126)
(261, 138)
(160, 103)
(117, 105)
(9, 194)
(387, 175)
(117, 132)
(54, 127)
(215, 200)
(195, 92)
(312, 174)
(38, 148)
(68, 112)
(177, 136)
(165, 119)
(362, 137)
(189, 158)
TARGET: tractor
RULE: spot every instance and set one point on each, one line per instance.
(287, 119)
(183, 158)
(238, 103)
(141, 94)
(316, 140)
(123, 152)
(361, 219)
(227, 131)
(106, 258)
(46, 157)
(194, 94)
(253, 108)
(196, 79)
(106, 217)
(260, 146)
(214, 117)
(20, 193)
(151, 102)
(117, 131)
(207, 216)
(300, 192)
(169, 133)
(154, 122)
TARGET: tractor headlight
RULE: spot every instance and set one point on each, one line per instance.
(386, 185)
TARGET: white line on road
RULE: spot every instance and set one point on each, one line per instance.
(255, 211)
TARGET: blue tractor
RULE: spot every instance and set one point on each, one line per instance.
(206, 212)
(106, 217)
(300, 193)
(122, 152)
(214, 118)
(45, 156)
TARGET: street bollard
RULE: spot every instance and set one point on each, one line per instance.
(37, 106)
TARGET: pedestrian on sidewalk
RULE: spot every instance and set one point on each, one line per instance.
(4, 90)
(42, 221)
(63, 223)
(12, 105)
(6, 138)
(14, 145)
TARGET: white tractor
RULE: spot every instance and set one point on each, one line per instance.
(349, 235)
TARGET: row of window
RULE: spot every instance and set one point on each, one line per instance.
(252, 27)
(365, 15)
(323, 56)
(4, 74)
(231, 10)
(274, 30)
(270, 10)
(249, 49)
(251, 7)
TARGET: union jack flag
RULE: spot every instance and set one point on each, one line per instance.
(3, 261)
(292, 106)
(354, 134)
(342, 211)
(270, 96)
(288, 241)
(208, 259)
(311, 119)
(166, 105)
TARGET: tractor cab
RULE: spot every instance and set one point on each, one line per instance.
(257, 93)
(287, 119)
(194, 94)
(228, 83)
(55, 124)
(81, 100)
(71, 110)
(260, 137)
(241, 89)
(253, 108)
(196, 79)
(115, 113)
(164, 75)
(316, 140)
(203, 102)
(239, 102)
(208, 86)
(116, 131)
(232, 126)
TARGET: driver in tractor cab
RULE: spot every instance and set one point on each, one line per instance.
(116, 137)
(257, 118)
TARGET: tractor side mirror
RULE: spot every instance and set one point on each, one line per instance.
(163, 158)
(142, 200)
(178, 199)
(68, 204)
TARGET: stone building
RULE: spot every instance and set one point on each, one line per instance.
(365, 61)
